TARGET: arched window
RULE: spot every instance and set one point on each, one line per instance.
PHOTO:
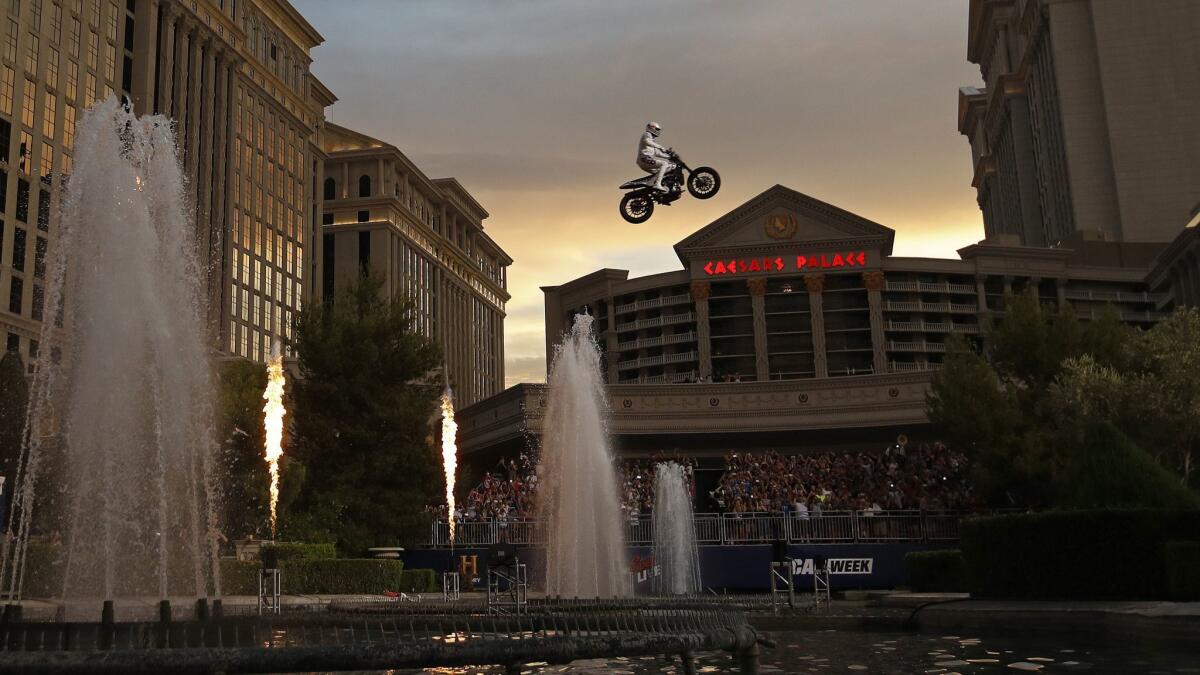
(364, 186)
(330, 189)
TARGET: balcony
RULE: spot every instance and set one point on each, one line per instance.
(927, 287)
(660, 360)
(654, 302)
(1131, 316)
(938, 307)
(902, 367)
(932, 327)
(921, 346)
(656, 321)
(1115, 296)
(673, 378)
(642, 343)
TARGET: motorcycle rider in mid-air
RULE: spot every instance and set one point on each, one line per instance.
(652, 157)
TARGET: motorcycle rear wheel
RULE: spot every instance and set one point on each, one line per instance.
(704, 182)
(636, 207)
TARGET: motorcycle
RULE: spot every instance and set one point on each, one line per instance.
(638, 205)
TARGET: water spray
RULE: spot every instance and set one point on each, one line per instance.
(273, 421)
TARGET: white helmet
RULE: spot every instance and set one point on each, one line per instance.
(654, 128)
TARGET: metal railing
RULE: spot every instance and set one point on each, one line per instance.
(828, 527)
(654, 302)
(661, 359)
(665, 320)
(676, 338)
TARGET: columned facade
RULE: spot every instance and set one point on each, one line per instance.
(424, 239)
(786, 287)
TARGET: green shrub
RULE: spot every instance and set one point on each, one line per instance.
(328, 576)
(1093, 554)
(936, 571)
(418, 581)
(1107, 470)
(1183, 570)
(294, 550)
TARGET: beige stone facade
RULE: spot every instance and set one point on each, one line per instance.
(1086, 127)
(235, 78)
(424, 238)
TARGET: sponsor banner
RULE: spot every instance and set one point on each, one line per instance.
(733, 568)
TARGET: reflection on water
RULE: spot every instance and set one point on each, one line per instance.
(850, 651)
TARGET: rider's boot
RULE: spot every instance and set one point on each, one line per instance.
(662, 173)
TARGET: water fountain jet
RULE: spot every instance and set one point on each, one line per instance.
(675, 550)
(578, 501)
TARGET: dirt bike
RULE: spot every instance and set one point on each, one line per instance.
(638, 205)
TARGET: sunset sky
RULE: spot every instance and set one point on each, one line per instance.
(537, 106)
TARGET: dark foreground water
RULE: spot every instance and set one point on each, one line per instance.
(852, 651)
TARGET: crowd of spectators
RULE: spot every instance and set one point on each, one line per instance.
(926, 477)
(637, 482)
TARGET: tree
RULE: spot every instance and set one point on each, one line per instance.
(1154, 398)
(14, 399)
(363, 469)
(995, 404)
(245, 504)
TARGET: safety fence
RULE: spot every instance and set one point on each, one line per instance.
(828, 527)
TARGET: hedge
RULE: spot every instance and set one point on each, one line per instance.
(418, 581)
(1183, 570)
(936, 571)
(289, 550)
(1092, 554)
(333, 577)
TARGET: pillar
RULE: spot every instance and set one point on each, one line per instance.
(981, 292)
(181, 35)
(700, 292)
(610, 342)
(195, 67)
(166, 69)
(758, 292)
(816, 286)
(220, 211)
(875, 283)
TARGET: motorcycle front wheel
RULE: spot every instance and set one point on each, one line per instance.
(704, 182)
(636, 207)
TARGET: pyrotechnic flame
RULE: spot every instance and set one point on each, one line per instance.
(273, 420)
(449, 454)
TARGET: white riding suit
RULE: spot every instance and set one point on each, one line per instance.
(653, 158)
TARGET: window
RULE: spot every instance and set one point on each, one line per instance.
(43, 215)
(22, 200)
(73, 38)
(10, 41)
(330, 189)
(364, 253)
(18, 252)
(69, 125)
(31, 55)
(39, 302)
(26, 152)
(27, 103)
(39, 258)
(47, 169)
(7, 77)
(72, 80)
(364, 186)
(364, 216)
(49, 114)
(326, 218)
(5, 138)
(52, 68)
(14, 342)
(15, 295)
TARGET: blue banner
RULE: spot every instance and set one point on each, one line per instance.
(732, 568)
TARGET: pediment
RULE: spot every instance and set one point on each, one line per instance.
(781, 216)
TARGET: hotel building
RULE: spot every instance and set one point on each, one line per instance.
(791, 325)
(1086, 126)
(234, 75)
(423, 238)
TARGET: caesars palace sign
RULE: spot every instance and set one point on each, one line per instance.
(801, 263)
